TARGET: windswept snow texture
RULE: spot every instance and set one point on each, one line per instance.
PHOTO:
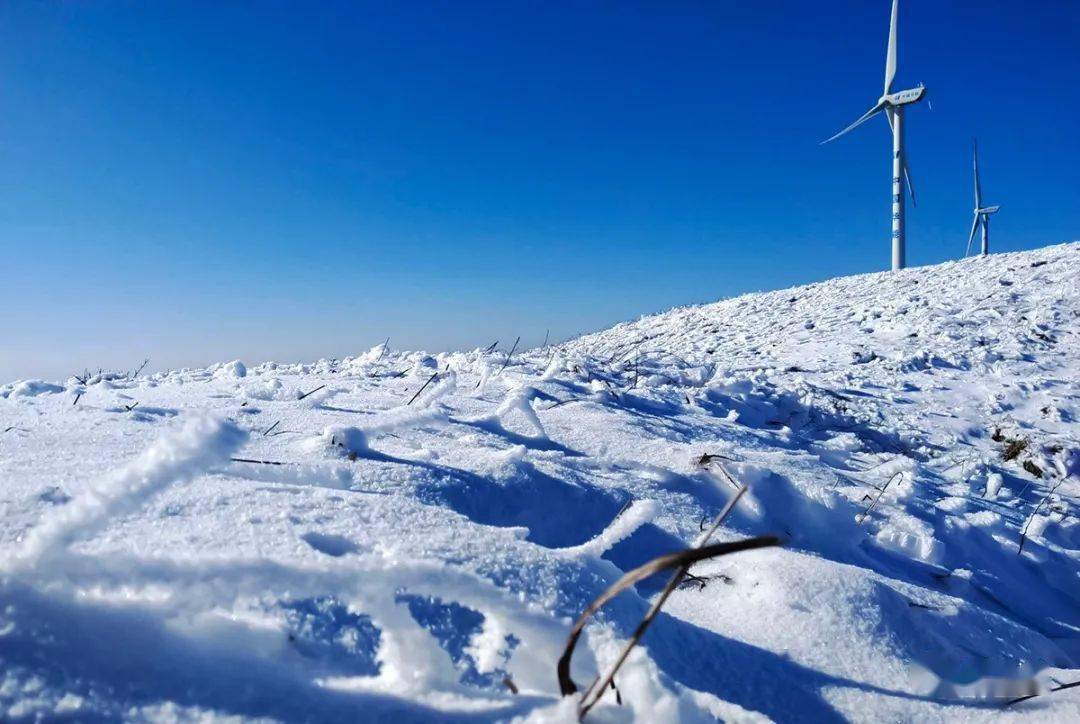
(912, 436)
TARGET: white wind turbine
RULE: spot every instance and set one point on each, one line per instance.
(893, 106)
(982, 213)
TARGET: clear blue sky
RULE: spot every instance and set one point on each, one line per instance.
(198, 181)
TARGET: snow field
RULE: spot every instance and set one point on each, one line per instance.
(912, 436)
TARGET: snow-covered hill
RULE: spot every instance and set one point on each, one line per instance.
(363, 538)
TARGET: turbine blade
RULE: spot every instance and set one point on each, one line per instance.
(890, 55)
(907, 173)
(978, 188)
(907, 178)
(862, 119)
(971, 238)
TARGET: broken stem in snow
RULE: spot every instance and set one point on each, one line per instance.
(422, 388)
(1027, 524)
(256, 462)
(308, 394)
(267, 431)
(863, 516)
(141, 368)
(681, 562)
(1060, 687)
(507, 360)
(714, 458)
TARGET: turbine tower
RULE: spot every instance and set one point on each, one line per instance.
(982, 213)
(893, 106)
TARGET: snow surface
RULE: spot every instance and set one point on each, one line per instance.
(406, 560)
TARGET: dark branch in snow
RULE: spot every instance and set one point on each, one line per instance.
(1060, 687)
(422, 388)
(1027, 524)
(681, 562)
(863, 516)
(256, 462)
(507, 360)
(141, 368)
(307, 394)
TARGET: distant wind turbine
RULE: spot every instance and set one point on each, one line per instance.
(893, 106)
(982, 214)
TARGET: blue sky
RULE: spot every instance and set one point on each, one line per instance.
(198, 181)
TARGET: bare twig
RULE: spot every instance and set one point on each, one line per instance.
(708, 458)
(714, 459)
(1027, 524)
(383, 350)
(129, 408)
(256, 462)
(141, 368)
(269, 429)
(1060, 687)
(307, 394)
(681, 562)
(491, 347)
(559, 403)
(637, 372)
(507, 360)
(863, 516)
(698, 580)
(422, 388)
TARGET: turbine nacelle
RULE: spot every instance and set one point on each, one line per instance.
(904, 97)
(988, 210)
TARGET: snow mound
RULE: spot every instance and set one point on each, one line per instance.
(29, 388)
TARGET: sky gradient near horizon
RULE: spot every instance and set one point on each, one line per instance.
(202, 181)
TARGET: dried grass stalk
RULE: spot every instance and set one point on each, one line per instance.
(679, 561)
